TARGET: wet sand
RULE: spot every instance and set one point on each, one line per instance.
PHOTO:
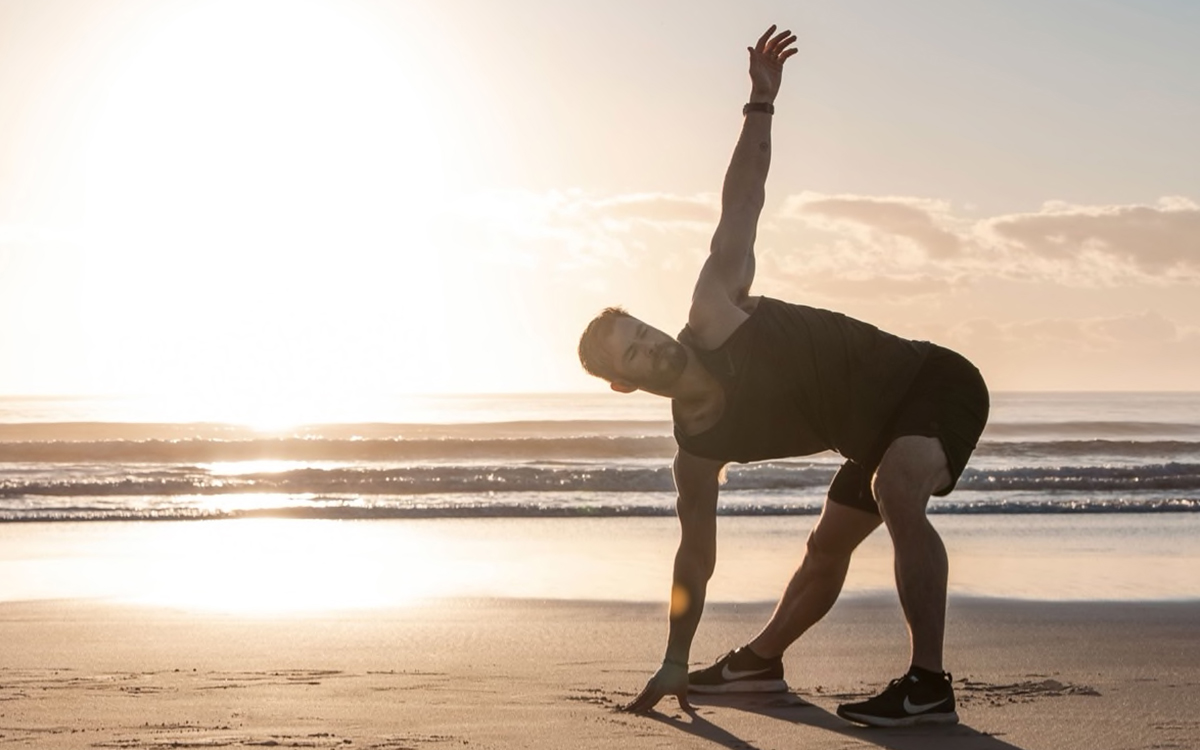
(501, 673)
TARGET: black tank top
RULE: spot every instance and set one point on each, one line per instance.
(799, 380)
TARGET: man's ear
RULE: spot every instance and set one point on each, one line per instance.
(621, 386)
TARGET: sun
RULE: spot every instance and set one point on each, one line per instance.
(264, 178)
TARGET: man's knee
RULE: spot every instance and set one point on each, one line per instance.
(820, 545)
(823, 553)
(838, 533)
(912, 469)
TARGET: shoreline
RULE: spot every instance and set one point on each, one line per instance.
(292, 565)
(549, 674)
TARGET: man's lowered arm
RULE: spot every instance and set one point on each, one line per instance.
(697, 482)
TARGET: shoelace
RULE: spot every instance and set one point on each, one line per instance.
(896, 682)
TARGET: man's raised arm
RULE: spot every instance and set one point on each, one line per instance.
(724, 281)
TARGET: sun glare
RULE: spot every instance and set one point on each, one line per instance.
(262, 180)
(276, 566)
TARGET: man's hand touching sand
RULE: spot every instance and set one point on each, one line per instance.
(670, 679)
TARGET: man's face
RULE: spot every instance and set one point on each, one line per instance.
(644, 357)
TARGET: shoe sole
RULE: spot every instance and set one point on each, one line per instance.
(742, 686)
(907, 721)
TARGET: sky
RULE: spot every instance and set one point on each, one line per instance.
(294, 199)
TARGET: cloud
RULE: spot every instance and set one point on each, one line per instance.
(1160, 241)
(578, 229)
(919, 221)
(1125, 333)
(695, 212)
(1138, 351)
(782, 276)
(858, 246)
(1061, 243)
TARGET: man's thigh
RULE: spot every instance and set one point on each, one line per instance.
(948, 401)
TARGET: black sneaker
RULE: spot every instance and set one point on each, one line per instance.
(740, 671)
(909, 700)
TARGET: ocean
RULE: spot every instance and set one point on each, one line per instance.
(85, 459)
(1069, 496)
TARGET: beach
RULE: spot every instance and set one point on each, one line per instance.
(497, 633)
(498, 673)
(306, 439)
(493, 573)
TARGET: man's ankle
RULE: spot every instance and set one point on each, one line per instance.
(754, 651)
(921, 673)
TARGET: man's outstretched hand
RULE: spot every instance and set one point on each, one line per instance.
(670, 679)
(766, 63)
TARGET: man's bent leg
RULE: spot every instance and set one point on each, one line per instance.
(912, 469)
(810, 594)
(818, 581)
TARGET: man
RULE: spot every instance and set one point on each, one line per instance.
(752, 378)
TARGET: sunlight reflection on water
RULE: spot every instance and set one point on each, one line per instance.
(283, 565)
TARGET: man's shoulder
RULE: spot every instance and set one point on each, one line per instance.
(709, 327)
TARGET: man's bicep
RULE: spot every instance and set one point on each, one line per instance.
(730, 262)
(716, 309)
(724, 279)
(697, 480)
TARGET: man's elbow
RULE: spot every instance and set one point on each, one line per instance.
(732, 248)
(696, 563)
(735, 238)
(744, 204)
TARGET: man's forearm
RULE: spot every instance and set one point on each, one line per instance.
(743, 193)
(697, 481)
(746, 178)
(690, 584)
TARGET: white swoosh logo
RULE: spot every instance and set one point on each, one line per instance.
(729, 674)
(920, 708)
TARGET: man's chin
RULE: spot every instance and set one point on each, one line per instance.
(664, 382)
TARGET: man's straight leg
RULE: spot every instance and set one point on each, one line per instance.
(912, 469)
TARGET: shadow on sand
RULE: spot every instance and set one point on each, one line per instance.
(793, 709)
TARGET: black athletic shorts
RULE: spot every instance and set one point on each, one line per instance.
(947, 400)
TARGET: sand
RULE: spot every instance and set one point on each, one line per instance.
(548, 674)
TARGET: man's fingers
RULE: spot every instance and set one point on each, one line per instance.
(762, 40)
(642, 704)
(786, 53)
(777, 49)
(645, 701)
(652, 694)
(683, 702)
(633, 704)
